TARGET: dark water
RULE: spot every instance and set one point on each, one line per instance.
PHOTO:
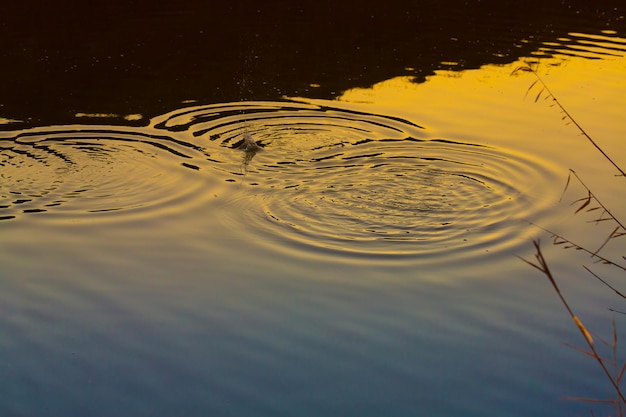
(144, 58)
(190, 227)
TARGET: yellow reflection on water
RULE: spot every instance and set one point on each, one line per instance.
(128, 117)
(489, 105)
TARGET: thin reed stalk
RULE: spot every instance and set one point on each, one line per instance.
(545, 90)
(542, 265)
(588, 203)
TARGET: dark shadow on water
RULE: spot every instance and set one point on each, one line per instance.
(146, 57)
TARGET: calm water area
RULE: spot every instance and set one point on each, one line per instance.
(306, 209)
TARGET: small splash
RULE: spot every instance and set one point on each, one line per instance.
(250, 148)
(249, 144)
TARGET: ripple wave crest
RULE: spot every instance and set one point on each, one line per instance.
(337, 181)
(105, 172)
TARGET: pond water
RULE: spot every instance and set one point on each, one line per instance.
(301, 255)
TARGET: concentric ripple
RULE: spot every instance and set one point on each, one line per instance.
(340, 181)
(74, 171)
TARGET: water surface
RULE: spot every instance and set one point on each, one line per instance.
(361, 259)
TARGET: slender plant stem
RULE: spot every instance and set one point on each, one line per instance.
(542, 266)
(527, 68)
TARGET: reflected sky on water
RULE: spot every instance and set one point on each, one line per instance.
(362, 262)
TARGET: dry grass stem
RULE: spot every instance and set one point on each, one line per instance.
(591, 205)
(615, 377)
(566, 115)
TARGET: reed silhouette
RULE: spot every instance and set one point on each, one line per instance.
(590, 205)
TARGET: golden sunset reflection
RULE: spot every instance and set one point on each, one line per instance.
(491, 105)
(308, 208)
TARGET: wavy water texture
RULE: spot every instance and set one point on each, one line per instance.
(585, 45)
(348, 183)
(298, 177)
(80, 172)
